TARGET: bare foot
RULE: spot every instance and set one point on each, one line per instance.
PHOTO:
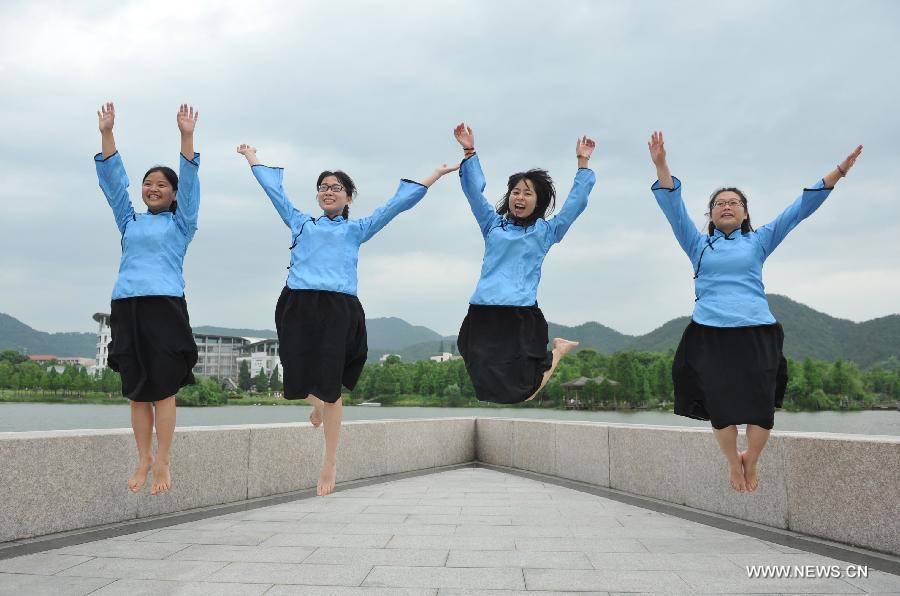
(736, 473)
(162, 478)
(563, 346)
(750, 476)
(326, 480)
(137, 480)
(315, 417)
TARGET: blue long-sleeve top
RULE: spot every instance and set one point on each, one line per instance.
(513, 254)
(325, 251)
(153, 244)
(728, 267)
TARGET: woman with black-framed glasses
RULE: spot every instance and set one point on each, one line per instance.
(729, 367)
(320, 321)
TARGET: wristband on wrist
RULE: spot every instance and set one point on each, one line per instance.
(841, 170)
(583, 156)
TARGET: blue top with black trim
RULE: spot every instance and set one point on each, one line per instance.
(153, 244)
(513, 254)
(325, 251)
(728, 268)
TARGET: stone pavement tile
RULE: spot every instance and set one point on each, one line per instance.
(135, 535)
(414, 510)
(41, 563)
(878, 581)
(14, 584)
(363, 492)
(447, 520)
(452, 592)
(730, 545)
(216, 523)
(361, 518)
(738, 583)
(452, 542)
(517, 558)
(292, 573)
(232, 536)
(445, 577)
(230, 553)
(331, 540)
(144, 587)
(273, 514)
(318, 505)
(666, 582)
(514, 531)
(581, 543)
(347, 591)
(401, 529)
(124, 549)
(661, 562)
(399, 557)
(144, 569)
(307, 526)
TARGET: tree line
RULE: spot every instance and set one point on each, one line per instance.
(641, 380)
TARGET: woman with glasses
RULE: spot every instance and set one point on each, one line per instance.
(152, 345)
(320, 322)
(729, 368)
(503, 339)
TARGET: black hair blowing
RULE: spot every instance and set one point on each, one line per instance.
(543, 188)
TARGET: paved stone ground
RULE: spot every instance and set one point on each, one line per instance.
(466, 531)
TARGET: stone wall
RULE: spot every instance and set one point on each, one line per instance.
(844, 488)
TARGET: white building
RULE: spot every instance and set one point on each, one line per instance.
(216, 354)
(261, 355)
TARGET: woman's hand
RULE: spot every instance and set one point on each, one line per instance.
(583, 149)
(438, 172)
(841, 170)
(464, 135)
(248, 152)
(187, 119)
(657, 149)
(106, 117)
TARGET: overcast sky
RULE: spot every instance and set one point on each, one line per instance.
(767, 96)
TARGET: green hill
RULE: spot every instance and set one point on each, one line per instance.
(16, 335)
(807, 333)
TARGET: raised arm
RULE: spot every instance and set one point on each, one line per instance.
(667, 190)
(771, 234)
(408, 194)
(111, 171)
(106, 117)
(271, 180)
(188, 182)
(472, 179)
(576, 202)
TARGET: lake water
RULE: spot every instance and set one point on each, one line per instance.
(34, 416)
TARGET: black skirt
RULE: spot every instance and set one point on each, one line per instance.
(730, 375)
(321, 342)
(152, 346)
(505, 351)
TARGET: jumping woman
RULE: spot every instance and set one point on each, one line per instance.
(320, 322)
(503, 339)
(152, 344)
(729, 368)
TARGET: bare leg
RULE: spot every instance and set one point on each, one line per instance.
(165, 431)
(315, 417)
(142, 424)
(727, 438)
(333, 413)
(561, 347)
(757, 437)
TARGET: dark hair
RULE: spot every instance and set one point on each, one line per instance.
(171, 176)
(745, 225)
(543, 188)
(349, 186)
